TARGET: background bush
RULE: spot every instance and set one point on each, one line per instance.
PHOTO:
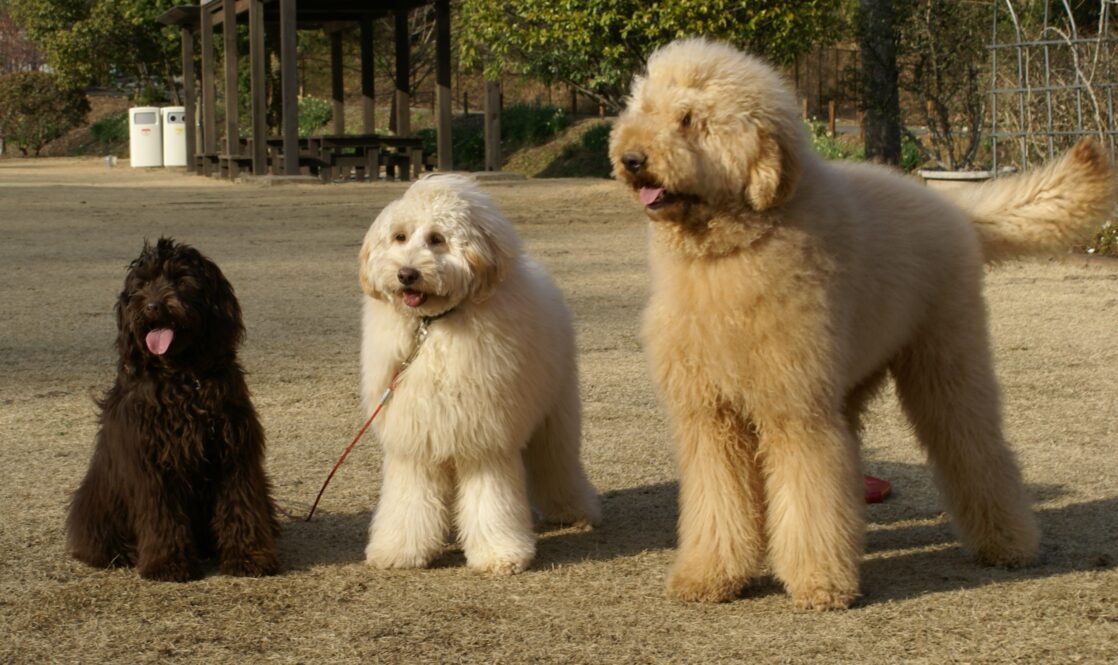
(1106, 241)
(112, 129)
(314, 113)
(35, 110)
(522, 125)
(527, 124)
(833, 147)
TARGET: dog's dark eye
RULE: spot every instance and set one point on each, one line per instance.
(436, 239)
(686, 120)
(400, 237)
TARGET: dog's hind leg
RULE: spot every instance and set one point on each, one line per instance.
(494, 518)
(557, 483)
(721, 513)
(946, 384)
(813, 484)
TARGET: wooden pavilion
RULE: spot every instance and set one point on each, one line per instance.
(279, 20)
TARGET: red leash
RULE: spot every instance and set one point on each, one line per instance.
(380, 405)
(420, 337)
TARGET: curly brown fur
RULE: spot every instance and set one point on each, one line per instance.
(177, 471)
(784, 289)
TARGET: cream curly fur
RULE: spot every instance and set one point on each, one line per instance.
(486, 419)
(785, 289)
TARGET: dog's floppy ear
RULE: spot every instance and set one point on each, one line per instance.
(489, 252)
(774, 172)
(363, 268)
(226, 327)
(128, 350)
(488, 267)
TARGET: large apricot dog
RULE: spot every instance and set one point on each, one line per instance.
(785, 288)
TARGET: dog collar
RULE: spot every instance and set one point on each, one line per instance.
(427, 320)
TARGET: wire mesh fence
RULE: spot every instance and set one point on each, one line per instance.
(1052, 79)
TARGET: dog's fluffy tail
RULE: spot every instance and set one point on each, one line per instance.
(1043, 211)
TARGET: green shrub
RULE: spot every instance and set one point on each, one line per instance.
(525, 124)
(1106, 240)
(468, 146)
(596, 139)
(912, 157)
(314, 113)
(430, 139)
(830, 147)
(111, 129)
(521, 125)
(34, 110)
(588, 158)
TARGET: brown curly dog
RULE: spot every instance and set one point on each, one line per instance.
(177, 471)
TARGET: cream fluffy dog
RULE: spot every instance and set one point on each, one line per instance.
(486, 417)
(784, 289)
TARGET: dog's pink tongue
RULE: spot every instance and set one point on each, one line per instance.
(414, 298)
(650, 195)
(159, 340)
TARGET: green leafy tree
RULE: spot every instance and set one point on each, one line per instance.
(35, 110)
(596, 46)
(97, 42)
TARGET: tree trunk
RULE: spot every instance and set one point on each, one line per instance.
(882, 122)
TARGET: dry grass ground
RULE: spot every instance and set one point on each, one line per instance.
(69, 227)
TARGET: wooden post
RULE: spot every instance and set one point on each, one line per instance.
(803, 107)
(258, 80)
(188, 94)
(232, 117)
(290, 88)
(831, 112)
(403, 73)
(337, 84)
(368, 108)
(209, 103)
(442, 82)
(492, 126)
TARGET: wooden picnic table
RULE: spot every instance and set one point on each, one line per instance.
(402, 156)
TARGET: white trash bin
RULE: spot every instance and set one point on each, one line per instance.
(174, 135)
(145, 137)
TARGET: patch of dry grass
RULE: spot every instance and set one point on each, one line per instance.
(69, 227)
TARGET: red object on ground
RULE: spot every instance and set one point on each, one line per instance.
(876, 489)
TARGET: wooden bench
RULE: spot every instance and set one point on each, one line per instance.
(230, 166)
(403, 159)
(206, 163)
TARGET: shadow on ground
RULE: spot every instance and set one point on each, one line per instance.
(911, 549)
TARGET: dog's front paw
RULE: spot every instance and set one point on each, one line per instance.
(258, 564)
(169, 570)
(500, 565)
(387, 558)
(824, 598)
(691, 584)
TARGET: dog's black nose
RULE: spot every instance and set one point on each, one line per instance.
(407, 276)
(634, 161)
(152, 307)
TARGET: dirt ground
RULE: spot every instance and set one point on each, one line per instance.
(69, 227)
